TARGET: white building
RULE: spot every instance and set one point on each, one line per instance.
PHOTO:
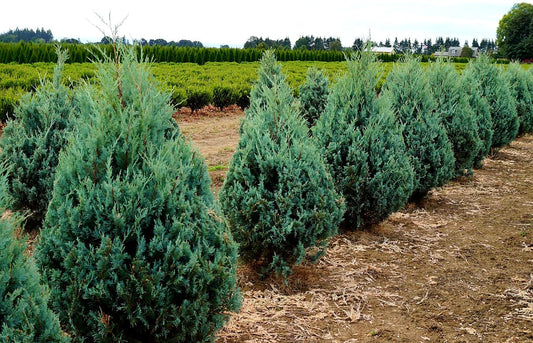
(455, 51)
(383, 50)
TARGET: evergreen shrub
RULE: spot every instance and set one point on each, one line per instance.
(243, 98)
(424, 133)
(132, 247)
(496, 89)
(313, 95)
(363, 146)
(178, 97)
(278, 198)
(480, 106)
(223, 97)
(198, 98)
(9, 99)
(452, 104)
(520, 82)
(24, 313)
(31, 143)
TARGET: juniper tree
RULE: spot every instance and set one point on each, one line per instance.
(269, 73)
(520, 82)
(453, 105)
(31, 143)
(363, 145)
(278, 198)
(424, 134)
(495, 88)
(313, 95)
(389, 181)
(24, 313)
(132, 247)
(481, 109)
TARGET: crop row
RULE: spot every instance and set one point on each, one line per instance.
(192, 85)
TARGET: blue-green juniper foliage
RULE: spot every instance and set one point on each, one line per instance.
(132, 247)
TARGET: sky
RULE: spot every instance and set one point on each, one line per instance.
(232, 22)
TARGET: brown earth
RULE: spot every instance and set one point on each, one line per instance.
(456, 267)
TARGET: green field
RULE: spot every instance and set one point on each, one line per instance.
(183, 79)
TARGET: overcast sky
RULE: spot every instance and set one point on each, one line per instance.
(232, 22)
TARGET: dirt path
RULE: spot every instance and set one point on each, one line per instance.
(457, 267)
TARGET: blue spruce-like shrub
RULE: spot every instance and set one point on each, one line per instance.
(424, 133)
(496, 89)
(278, 197)
(24, 313)
(132, 247)
(521, 81)
(314, 95)
(31, 143)
(480, 106)
(452, 104)
(363, 145)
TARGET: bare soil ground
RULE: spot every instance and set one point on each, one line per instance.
(456, 267)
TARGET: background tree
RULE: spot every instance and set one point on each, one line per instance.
(334, 44)
(467, 52)
(514, 35)
(358, 44)
(314, 95)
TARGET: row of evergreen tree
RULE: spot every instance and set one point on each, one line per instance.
(379, 151)
(35, 52)
(132, 246)
(31, 53)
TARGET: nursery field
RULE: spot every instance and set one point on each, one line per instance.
(455, 267)
(185, 80)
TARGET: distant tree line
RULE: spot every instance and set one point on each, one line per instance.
(427, 46)
(303, 43)
(260, 43)
(161, 42)
(30, 46)
(27, 35)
